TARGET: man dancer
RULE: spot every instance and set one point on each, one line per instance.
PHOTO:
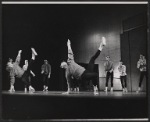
(79, 72)
(141, 65)
(123, 76)
(20, 72)
(109, 68)
(46, 71)
(28, 84)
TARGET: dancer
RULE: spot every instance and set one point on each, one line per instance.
(20, 72)
(123, 76)
(79, 72)
(109, 68)
(10, 69)
(25, 66)
(46, 72)
(141, 65)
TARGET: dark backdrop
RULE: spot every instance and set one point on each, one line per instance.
(133, 43)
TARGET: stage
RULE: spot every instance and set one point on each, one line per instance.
(77, 105)
(115, 94)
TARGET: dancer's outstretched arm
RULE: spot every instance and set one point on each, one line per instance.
(32, 73)
(70, 52)
(49, 71)
(42, 69)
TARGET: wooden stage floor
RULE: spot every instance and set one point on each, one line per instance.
(82, 105)
(102, 94)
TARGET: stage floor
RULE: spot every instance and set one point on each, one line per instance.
(102, 94)
(81, 105)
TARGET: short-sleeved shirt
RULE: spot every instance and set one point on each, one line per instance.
(122, 70)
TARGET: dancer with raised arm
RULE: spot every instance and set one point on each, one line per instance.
(78, 72)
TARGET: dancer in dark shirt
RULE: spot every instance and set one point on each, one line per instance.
(46, 72)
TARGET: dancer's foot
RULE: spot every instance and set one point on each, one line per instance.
(77, 89)
(31, 89)
(68, 42)
(103, 41)
(34, 52)
(11, 89)
(126, 90)
(139, 89)
(20, 51)
(95, 90)
(46, 88)
(68, 92)
(123, 90)
(102, 44)
(96, 93)
(111, 90)
(105, 89)
(25, 90)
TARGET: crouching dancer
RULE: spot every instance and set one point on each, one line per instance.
(79, 72)
(23, 74)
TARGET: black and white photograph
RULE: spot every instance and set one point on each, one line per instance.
(66, 61)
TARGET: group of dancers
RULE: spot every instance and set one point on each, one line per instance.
(73, 71)
(25, 72)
